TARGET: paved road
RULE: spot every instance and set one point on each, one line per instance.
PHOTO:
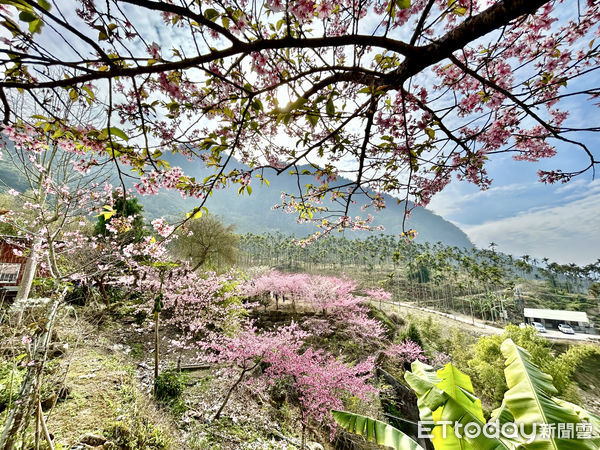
(550, 334)
(555, 334)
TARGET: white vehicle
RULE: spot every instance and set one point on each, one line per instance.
(540, 328)
(564, 328)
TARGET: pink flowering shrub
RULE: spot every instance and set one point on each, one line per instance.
(379, 295)
(318, 327)
(405, 353)
(331, 296)
(243, 349)
(358, 325)
(320, 380)
(194, 304)
(281, 286)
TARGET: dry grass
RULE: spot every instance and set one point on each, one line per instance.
(103, 391)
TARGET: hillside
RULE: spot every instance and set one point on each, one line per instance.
(254, 214)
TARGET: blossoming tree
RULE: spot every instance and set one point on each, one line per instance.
(62, 187)
(333, 297)
(409, 93)
(319, 380)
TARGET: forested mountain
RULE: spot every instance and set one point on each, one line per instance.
(254, 213)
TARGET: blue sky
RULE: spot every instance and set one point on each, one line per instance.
(520, 214)
(524, 216)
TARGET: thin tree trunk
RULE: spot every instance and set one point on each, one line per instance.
(233, 387)
(28, 275)
(37, 422)
(156, 343)
(18, 415)
(103, 292)
(44, 427)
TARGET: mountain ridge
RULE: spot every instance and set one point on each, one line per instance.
(254, 213)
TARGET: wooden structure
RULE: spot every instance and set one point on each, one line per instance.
(12, 264)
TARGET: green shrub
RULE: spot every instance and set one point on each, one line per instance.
(11, 377)
(563, 367)
(486, 364)
(412, 333)
(169, 385)
(390, 323)
(429, 330)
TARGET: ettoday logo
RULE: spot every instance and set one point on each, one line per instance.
(521, 432)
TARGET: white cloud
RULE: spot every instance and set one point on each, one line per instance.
(573, 185)
(591, 188)
(566, 233)
(453, 199)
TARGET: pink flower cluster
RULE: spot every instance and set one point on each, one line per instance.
(320, 380)
(379, 294)
(332, 296)
(406, 352)
(162, 227)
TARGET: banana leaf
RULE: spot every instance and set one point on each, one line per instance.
(375, 431)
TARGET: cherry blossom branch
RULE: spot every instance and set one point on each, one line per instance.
(551, 129)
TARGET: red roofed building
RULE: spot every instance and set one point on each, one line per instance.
(11, 264)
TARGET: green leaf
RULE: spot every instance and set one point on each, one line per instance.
(585, 416)
(211, 14)
(458, 386)
(375, 431)
(458, 10)
(403, 4)
(158, 304)
(196, 213)
(257, 105)
(36, 26)
(450, 400)
(73, 95)
(313, 119)
(89, 92)
(119, 133)
(107, 212)
(330, 107)
(529, 399)
(45, 4)
(27, 16)
(582, 413)
(502, 414)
